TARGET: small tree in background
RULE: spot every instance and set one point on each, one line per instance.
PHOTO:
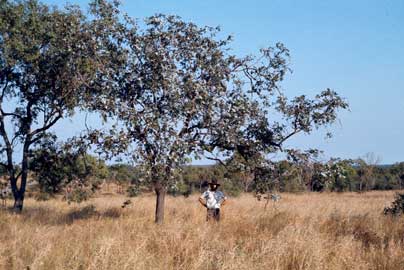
(57, 167)
(124, 175)
(366, 168)
(398, 171)
(241, 171)
(338, 171)
(47, 162)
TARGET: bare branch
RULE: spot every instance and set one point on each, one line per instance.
(217, 160)
(10, 114)
(3, 91)
(46, 126)
(294, 132)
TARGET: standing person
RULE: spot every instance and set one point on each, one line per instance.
(213, 199)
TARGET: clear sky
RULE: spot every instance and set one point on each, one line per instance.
(354, 47)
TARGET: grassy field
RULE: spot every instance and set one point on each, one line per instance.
(306, 231)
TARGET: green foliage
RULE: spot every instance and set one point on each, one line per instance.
(124, 174)
(285, 176)
(231, 189)
(133, 191)
(55, 167)
(52, 61)
(48, 165)
(183, 95)
(337, 171)
(77, 192)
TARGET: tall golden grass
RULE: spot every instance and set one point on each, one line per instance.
(306, 231)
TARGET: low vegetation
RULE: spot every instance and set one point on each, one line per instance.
(306, 231)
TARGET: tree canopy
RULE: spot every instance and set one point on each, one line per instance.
(49, 57)
(183, 95)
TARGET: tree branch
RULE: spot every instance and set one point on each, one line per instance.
(8, 148)
(4, 114)
(294, 132)
(3, 91)
(217, 160)
(46, 126)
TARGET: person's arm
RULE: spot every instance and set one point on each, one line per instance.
(224, 201)
(202, 201)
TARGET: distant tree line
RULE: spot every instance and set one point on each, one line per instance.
(286, 176)
(56, 169)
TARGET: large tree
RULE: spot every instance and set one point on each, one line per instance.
(183, 95)
(48, 58)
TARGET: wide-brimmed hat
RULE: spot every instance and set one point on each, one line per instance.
(214, 182)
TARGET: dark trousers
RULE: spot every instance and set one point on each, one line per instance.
(213, 214)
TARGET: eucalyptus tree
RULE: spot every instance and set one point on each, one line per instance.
(183, 95)
(50, 60)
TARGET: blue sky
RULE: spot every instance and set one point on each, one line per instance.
(354, 47)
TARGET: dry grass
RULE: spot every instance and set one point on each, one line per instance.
(307, 231)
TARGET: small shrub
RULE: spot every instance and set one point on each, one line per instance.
(397, 206)
(174, 189)
(126, 203)
(133, 191)
(78, 195)
(80, 190)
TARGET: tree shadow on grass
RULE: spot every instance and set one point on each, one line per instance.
(89, 212)
(43, 215)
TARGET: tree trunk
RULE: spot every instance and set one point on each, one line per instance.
(19, 193)
(18, 202)
(160, 196)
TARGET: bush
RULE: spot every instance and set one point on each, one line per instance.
(397, 206)
(78, 192)
(78, 196)
(180, 188)
(133, 191)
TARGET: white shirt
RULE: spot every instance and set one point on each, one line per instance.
(213, 199)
